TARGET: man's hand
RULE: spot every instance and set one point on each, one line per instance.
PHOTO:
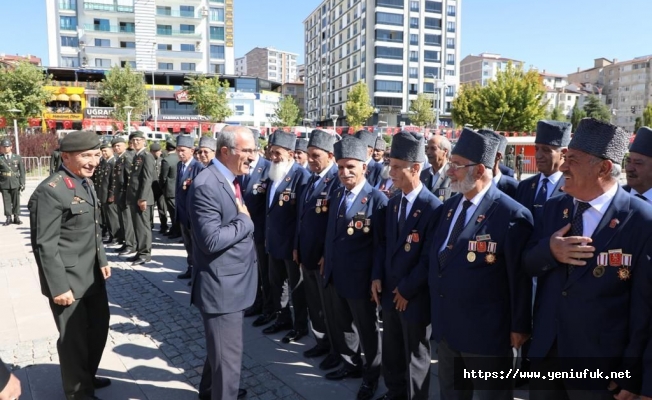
(570, 250)
(106, 272)
(518, 339)
(295, 256)
(376, 288)
(110, 199)
(142, 204)
(242, 208)
(645, 397)
(401, 303)
(12, 390)
(321, 266)
(64, 299)
(625, 395)
(22, 188)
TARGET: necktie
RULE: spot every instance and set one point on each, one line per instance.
(457, 229)
(577, 226)
(183, 169)
(236, 187)
(401, 214)
(311, 186)
(341, 212)
(87, 188)
(640, 196)
(541, 198)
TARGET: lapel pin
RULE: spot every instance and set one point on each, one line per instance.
(259, 170)
(534, 185)
(566, 213)
(287, 179)
(364, 200)
(614, 222)
(395, 208)
(480, 218)
(450, 212)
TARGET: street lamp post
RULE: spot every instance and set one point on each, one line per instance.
(129, 109)
(334, 117)
(16, 111)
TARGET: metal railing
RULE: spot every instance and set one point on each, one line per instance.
(37, 167)
(110, 28)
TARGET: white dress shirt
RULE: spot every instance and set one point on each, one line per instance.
(552, 182)
(592, 216)
(410, 198)
(230, 177)
(475, 202)
(354, 194)
(647, 195)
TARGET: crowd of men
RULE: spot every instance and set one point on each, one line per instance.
(332, 237)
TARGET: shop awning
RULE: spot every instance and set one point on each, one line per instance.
(53, 97)
(63, 97)
(75, 97)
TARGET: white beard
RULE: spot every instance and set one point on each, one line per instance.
(277, 171)
(385, 172)
(464, 186)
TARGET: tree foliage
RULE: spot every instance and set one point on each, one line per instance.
(647, 115)
(594, 108)
(557, 114)
(638, 123)
(124, 87)
(22, 88)
(514, 101)
(210, 96)
(421, 112)
(358, 106)
(287, 112)
(576, 116)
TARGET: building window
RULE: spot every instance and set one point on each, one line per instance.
(430, 55)
(388, 101)
(433, 6)
(129, 27)
(165, 66)
(450, 59)
(103, 62)
(102, 43)
(163, 10)
(389, 52)
(389, 69)
(414, 22)
(186, 29)
(69, 61)
(164, 29)
(432, 23)
(450, 26)
(185, 66)
(132, 64)
(217, 51)
(239, 109)
(430, 71)
(217, 33)
(187, 47)
(390, 3)
(128, 45)
(450, 43)
(450, 10)
(389, 19)
(101, 25)
(414, 6)
(68, 23)
(187, 11)
(450, 72)
(217, 68)
(245, 85)
(432, 40)
(69, 41)
(67, 4)
(388, 86)
(414, 56)
(389, 36)
(162, 46)
(414, 72)
(414, 39)
(216, 14)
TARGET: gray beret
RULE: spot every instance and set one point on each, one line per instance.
(476, 147)
(5, 143)
(137, 134)
(105, 145)
(600, 139)
(322, 140)
(80, 141)
(350, 147)
(283, 139)
(155, 147)
(117, 139)
(502, 145)
(170, 144)
(408, 146)
(368, 137)
(208, 142)
(185, 141)
(553, 133)
(642, 142)
(301, 145)
(380, 144)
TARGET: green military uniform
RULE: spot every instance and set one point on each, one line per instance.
(510, 160)
(55, 161)
(158, 191)
(139, 187)
(65, 237)
(12, 182)
(167, 181)
(118, 193)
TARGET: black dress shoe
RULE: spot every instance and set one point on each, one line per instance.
(132, 259)
(367, 390)
(264, 319)
(207, 395)
(163, 231)
(294, 335)
(174, 236)
(17, 221)
(141, 261)
(186, 275)
(344, 372)
(127, 252)
(120, 249)
(278, 327)
(331, 361)
(99, 382)
(253, 310)
(316, 351)
(8, 221)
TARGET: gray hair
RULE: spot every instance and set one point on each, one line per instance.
(445, 145)
(226, 137)
(616, 171)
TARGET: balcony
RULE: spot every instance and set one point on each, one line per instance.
(108, 8)
(110, 28)
(178, 33)
(179, 55)
(164, 14)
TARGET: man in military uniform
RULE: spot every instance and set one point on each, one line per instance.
(591, 255)
(435, 178)
(65, 237)
(301, 153)
(503, 182)
(140, 198)
(379, 150)
(400, 274)
(477, 246)
(104, 172)
(117, 196)
(55, 159)
(168, 182)
(12, 181)
(510, 159)
(206, 150)
(520, 163)
(639, 165)
(157, 190)
(373, 169)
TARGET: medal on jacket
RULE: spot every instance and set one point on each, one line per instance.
(490, 258)
(350, 230)
(324, 202)
(473, 246)
(407, 246)
(318, 206)
(367, 225)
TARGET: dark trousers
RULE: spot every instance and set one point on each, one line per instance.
(406, 356)
(187, 243)
(315, 301)
(453, 386)
(83, 328)
(279, 272)
(162, 212)
(142, 231)
(355, 331)
(113, 219)
(11, 201)
(264, 293)
(127, 227)
(170, 206)
(223, 355)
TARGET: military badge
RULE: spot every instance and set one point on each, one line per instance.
(286, 197)
(186, 183)
(367, 225)
(441, 198)
(598, 271)
(470, 257)
(450, 212)
(288, 179)
(407, 247)
(364, 200)
(490, 258)
(324, 205)
(69, 182)
(415, 237)
(613, 223)
(624, 274)
(358, 224)
(473, 245)
(603, 259)
(482, 247)
(259, 170)
(566, 213)
(534, 185)
(350, 231)
(615, 258)
(480, 218)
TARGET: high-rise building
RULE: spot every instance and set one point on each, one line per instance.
(268, 63)
(484, 67)
(176, 35)
(399, 48)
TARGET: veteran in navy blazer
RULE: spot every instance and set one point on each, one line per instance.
(480, 293)
(435, 178)
(348, 263)
(400, 274)
(374, 168)
(639, 165)
(591, 255)
(505, 184)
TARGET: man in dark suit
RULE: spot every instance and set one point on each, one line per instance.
(312, 218)
(400, 275)
(187, 169)
(285, 185)
(12, 181)
(374, 168)
(168, 183)
(9, 384)
(55, 159)
(225, 275)
(157, 189)
(102, 187)
(348, 262)
(591, 254)
(118, 195)
(379, 150)
(504, 183)
(65, 237)
(301, 152)
(480, 294)
(435, 178)
(639, 165)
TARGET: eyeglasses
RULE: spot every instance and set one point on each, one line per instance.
(204, 152)
(455, 166)
(246, 151)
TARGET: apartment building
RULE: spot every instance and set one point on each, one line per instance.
(149, 35)
(269, 63)
(483, 68)
(399, 48)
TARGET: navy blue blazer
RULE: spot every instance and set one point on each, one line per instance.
(281, 221)
(348, 259)
(373, 173)
(400, 261)
(442, 188)
(311, 226)
(476, 302)
(225, 273)
(181, 194)
(508, 185)
(505, 170)
(254, 193)
(595, 313)
(527, 191)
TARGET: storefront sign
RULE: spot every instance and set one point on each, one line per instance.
(182, 118)
(63, 116)
(98, 112)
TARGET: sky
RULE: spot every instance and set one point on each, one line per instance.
(556, 35)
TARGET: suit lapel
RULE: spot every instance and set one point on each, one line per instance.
(282, 185)
(557, 190)
(410, 221)
(360, 201)
(222, 181)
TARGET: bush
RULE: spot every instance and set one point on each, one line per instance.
(35, 145)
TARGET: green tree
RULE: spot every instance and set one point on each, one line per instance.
(557, 114)
(594, 108)
(647, 115)
(210, 96)
(358, 106)
(464, 111)
(21, 88)
(638, 124)
(576, 116)
(125, 87)
(421, 112)
(287, 112)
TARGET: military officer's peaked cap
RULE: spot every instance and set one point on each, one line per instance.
(5, 143)
(476, 147)
(600, 139)
(116, 140)
(408, 146)
(80, 141)
(185, 141)
(380, 144)
(642, 142)
(170, 144)
(322, 140)
(105, 145)
(137, 135)
(283, 139)
(350, 147)
(502, 140)
(301, 145)
(368, 137)
(155, 147)
(553, 133)
(208, 142)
